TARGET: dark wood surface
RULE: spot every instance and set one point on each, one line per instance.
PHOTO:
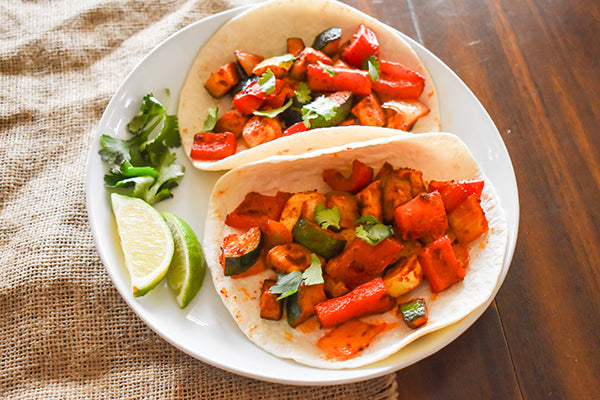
(535, 66)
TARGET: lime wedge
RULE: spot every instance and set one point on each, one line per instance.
(146, 242)
(188, 265)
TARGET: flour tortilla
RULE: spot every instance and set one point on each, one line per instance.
(263, 30)
(440, 156)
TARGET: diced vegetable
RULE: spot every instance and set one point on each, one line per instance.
(256, 210)
(364, 44)
(333, 287)
(328, 41)
(369, 111)
(359, 178)
(302, 203)
(324, 78)
(403, 277)
(360, 262)
(398, 71)
(232, 121)
(402, 114)
(468, 220)
(440, 265)
(213, 146)
(347, 206)
(296, 128)
(240, 252)
(270, 307)
(323, 242)
(259, 130)
(295, 46)
(414, 312)
(395, 191)
(346, 340)
(328, 111)
(369, 298)
(288, 257)
(250, 99)
(301, 305)
(247, 60)
(455, 192)
(369, 200)
(278, 65)
(422, 217)
(223, 80)
(275, 233)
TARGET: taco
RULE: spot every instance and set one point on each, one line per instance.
(428, 163)
(285, 67)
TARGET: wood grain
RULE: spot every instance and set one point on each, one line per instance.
(535, 66)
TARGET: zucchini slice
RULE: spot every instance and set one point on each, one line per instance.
(328, 41)
(324, 243)
(414, 312)
(242, 251)
(300, 306)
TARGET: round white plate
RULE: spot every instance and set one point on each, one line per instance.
(205, 329)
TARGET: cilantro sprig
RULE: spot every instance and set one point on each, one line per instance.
(371, 230)
(320, 107)
(274, 112)
(327, 217)
(288, 284)
(143, 164)
(371, 64)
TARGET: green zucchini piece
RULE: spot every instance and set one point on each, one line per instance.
(242, 251)
(414, 312)
(341, 104)
(328, 41)
(324, 243)
(300, 306)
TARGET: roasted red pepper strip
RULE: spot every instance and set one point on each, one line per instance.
(423, 216)
(440, 265)
(250, 99)
(398, 89)
(364, 44)
(296, 128)
(256, 209)
(361, 176)
(369, 298)
(213, 146)
(332, 79)
(455, 192)
(398, 71)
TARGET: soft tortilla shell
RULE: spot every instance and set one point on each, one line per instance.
(439, 156)
(263, 30)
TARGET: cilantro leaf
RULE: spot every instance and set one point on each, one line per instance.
(287, 284)
(274, 112)
(313, 275)
(372, 230)
(267, 82)
(327, 69)
(371, 64)
(320, 107)
(303, 94)
(327, 217)
(143, 163)
(285, 60)
(211, 119)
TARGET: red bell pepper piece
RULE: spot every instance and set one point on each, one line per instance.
(360, 262)
(398, 89)
(277, 97)
(256, 209)
(397, 71)
(369, 298)
(296, 128)
(364, 44)
(250, 99)
(213, 146)
(440, 265)
(354, 80)
(455, 192)
(423, 216)
(360, 177)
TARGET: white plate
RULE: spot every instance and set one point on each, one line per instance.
(205, 329)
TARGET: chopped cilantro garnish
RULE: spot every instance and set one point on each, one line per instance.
(211, 119)
(267, 82)
(327, 217)
(274, 112)
(143, 163)
(285, 60)
(372, 230)
(288, 284)
(320, 107)
(371, 64)
(327, 69)
(303, 93)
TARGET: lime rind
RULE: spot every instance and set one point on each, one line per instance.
(146, 241)
(188, 265)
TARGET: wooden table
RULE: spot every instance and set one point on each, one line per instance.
(535, 66)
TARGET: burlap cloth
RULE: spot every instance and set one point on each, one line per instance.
(66, 332)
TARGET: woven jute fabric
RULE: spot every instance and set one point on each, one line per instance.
(66, 332)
